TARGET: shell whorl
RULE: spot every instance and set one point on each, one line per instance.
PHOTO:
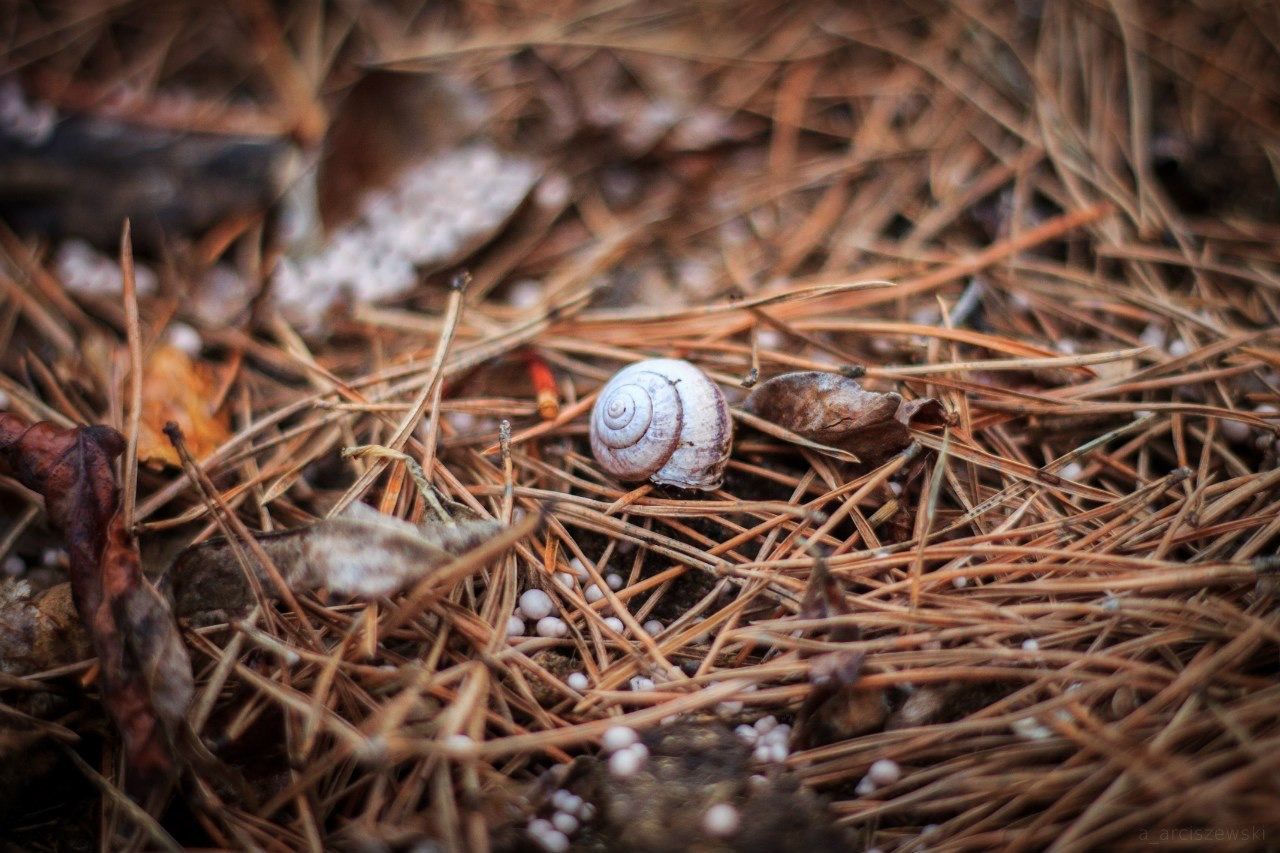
(664, 420)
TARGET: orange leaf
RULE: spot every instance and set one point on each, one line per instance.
(174, 388)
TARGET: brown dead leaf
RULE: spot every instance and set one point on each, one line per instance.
(146, 675)
(174, 388)
(835, 410)
(362, 553)
(39, 631)
(835, 708)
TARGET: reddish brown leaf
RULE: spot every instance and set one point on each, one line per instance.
(146, 675)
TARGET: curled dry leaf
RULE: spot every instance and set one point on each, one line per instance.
(362, 553)
(39, 630)
(145, 672)
(834, 410)
(174, 388)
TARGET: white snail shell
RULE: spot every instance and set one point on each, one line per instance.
(663, 420)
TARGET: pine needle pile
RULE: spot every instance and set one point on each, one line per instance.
(1050, 622)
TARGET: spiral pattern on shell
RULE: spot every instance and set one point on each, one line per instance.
(663, 420)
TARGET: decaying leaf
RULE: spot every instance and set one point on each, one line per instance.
(39, 630)
(145, 672)
(835, 410)
(362, 553)
(406, 185)
(174, 388)
(385, 123)
(835, 707)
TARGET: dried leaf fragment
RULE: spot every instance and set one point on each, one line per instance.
(39, 630)
(146, 674)
(835, 410)
(362, 553)
(836, 708)
(174, 388)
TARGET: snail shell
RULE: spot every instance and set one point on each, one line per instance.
(662, 420)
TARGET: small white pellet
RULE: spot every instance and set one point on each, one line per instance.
(539, 826)
(884, 771)
(564, 579)
(463, 422)
(1234, 431)
(1031, 645)
(769, 338)
(593, 593)
(1029, 728)
(565, 822)
(579, 570)
(1178, 348)
(14, 565)
(614, 581)
(625, 762)
(526, 293)
(426, 846)
(553, 841)
(721, 820)
(653, 627)
(748, 734)
(52, 556)
(566, 801)
(960, 582)
(460, 745)
(578, 681)
(614, 623)
(515, 626)
(552, 191)
(535, 604)
(185, 338)
(618, 737)
(1071, 471)
(766, 724)
(1152, 336)
(866, 787)
(551, 626)
(640, 683)
(762, 753)
(586, 812)
(778, 752)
